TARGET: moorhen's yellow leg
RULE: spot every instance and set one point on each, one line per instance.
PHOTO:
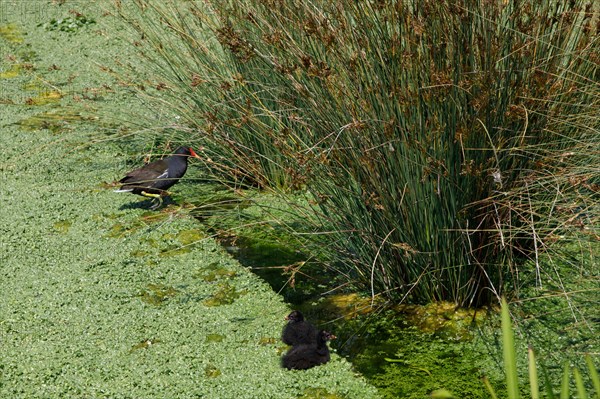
(155, 197)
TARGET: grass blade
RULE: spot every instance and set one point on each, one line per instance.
(564, 386)
(579, 384)
(593, 375)
(533, 377)
(548, 384)
(489, 387)
(510, 358)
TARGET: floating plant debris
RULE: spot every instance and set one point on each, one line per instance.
(62, 226)
(210, 371)
(157, 294)
(318, 393)
(11, 34)
(174, 250)
(214, 271)
(13, 72)
(264, 341)
(144, 344)
(225, 295)
(68, 24)
(120, 230)
(187, 237)
(57, 121)
(214, 338)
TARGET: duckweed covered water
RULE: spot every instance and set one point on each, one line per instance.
(318, 393)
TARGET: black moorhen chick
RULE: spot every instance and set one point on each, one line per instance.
(153, 179)
(305, 356)
(298, 331)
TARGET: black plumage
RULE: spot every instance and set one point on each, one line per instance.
(305, 356)
(153, 179)
(298, 331)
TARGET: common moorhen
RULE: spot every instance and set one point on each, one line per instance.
(153, 179)
(298, 331)
(305, 356)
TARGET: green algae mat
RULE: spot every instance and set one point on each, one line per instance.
(99, 297)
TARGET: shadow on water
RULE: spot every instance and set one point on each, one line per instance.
(285, 269)
(405, 351)
(263, 248)
(146, 204)
(217, 205)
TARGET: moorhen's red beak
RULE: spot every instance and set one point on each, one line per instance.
(193, 153)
